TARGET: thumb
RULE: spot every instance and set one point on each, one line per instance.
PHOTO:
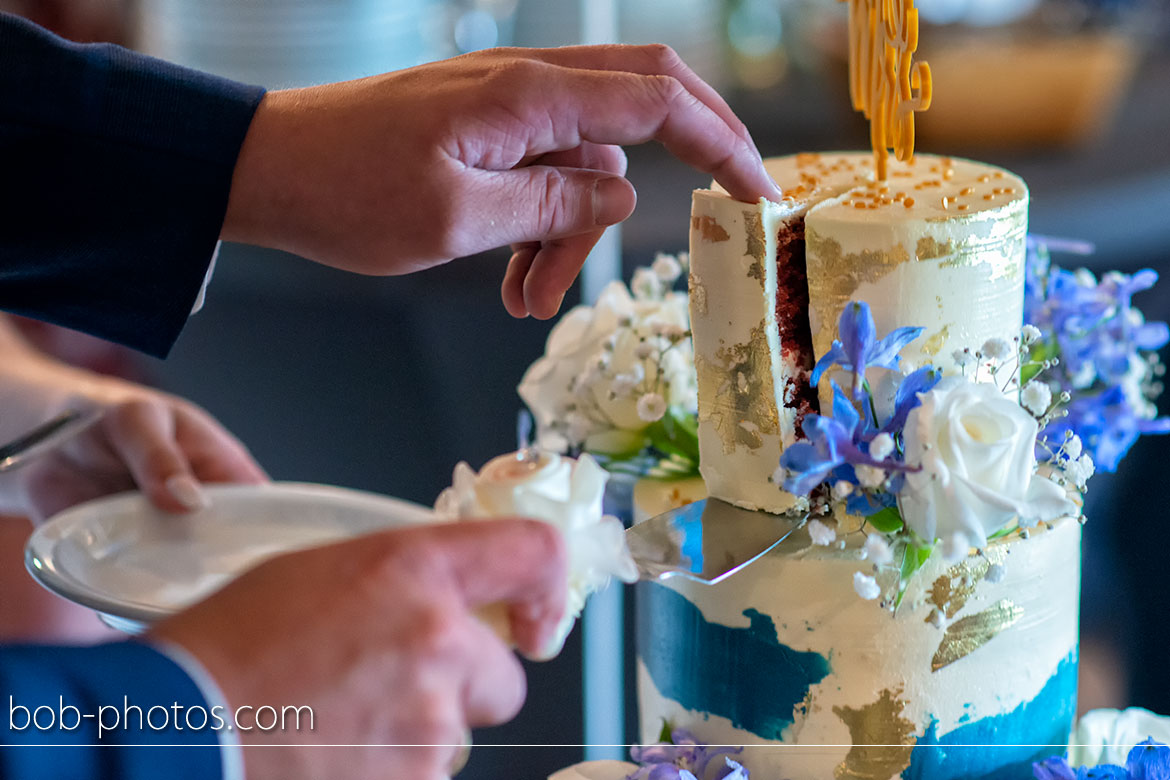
(541, 202)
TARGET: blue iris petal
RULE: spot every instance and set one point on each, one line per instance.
(1149, 760)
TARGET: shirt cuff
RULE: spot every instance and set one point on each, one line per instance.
(202, 296)
(230, 751)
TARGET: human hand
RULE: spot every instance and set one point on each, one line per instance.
(145, 437)
(404, 171)
(162, 445)
(377, 636)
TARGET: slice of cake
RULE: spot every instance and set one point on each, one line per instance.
(939, 245)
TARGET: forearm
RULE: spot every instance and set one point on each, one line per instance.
(34, 386)
(117, 172)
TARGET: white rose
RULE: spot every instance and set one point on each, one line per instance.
(1107, 736)
(564, 492)
(614, 326)
(976, 449)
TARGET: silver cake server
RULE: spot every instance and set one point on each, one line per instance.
(706, 541)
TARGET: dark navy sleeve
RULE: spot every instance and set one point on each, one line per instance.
(53, 697)
(115, 170)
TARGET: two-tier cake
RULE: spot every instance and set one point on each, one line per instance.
(784, 657)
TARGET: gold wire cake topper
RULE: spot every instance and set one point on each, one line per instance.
(883, 37)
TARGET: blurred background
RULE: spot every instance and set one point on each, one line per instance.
(384, 384)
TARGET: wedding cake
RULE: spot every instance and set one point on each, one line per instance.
(953, 653)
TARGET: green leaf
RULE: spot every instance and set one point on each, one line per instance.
(886, 521)
(617, 444)
(677, 433)
(1007, 529)
(914, 557)
(665, 736)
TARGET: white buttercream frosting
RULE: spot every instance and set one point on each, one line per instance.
(916, 654)
(939, 245)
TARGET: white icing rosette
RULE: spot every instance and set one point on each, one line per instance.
(1106, 736)
(976, 448)
(564, 492)
(600, 361)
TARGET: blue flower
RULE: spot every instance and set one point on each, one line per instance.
(832, 448)
(1102, 342)
(1148, 760)
(858, 347)
(1108, 425)
(906, 399)
(685, 758)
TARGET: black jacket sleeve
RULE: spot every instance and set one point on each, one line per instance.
(115, 170)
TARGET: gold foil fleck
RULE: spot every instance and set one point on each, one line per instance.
(968, 634)
(756, 246)
(698, 294)
(737, 388)
(709, 229)
(935, 343)
(950, 592)
(929, 248)
(882, 738)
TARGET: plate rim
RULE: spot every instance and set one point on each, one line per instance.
(39, 563)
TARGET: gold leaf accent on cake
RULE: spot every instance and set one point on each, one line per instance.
(935, 343)
(736, 394)
(882, 738)
(709, 228)
(833, 277)
(698, 292)
(950, 592)
(968, 634)
(756, 244)
(929, 248)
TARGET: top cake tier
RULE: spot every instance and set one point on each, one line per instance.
(939, 245)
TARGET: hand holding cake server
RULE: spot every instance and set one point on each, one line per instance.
(385, 175)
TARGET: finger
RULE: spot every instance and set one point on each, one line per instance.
(494, 687)
(553, 270)
(650, 60)
(143, 435)
(214, 454)
(596, 157)
(520, 562)
(512, 288)
(540, 202)
(612, 107)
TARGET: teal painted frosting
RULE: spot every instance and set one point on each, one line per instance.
(1045, 721)
(743, 674)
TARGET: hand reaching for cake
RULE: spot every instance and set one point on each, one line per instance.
(407, 170)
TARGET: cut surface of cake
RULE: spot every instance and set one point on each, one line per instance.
(940, 245)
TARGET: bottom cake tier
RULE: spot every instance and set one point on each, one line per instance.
(973, 677)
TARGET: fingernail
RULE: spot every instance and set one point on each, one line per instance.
(611, 200)
(187, 491)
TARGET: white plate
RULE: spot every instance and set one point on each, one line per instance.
(135, 564)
